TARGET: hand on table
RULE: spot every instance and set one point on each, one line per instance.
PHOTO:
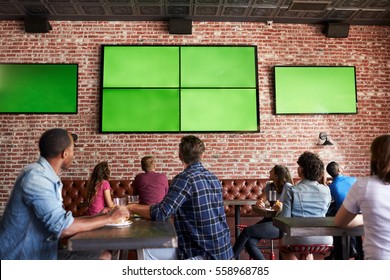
(119, 213)
(260, 203)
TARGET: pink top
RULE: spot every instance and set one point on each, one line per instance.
(151, 187)
(98, 202)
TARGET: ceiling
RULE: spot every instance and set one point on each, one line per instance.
(361, 12)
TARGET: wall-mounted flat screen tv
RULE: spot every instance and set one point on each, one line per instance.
(315, 90)
(38, 88)
(179, 89)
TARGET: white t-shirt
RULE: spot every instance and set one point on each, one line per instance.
(371, 197)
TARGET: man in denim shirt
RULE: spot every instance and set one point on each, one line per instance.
(195, 201)
(34, 219)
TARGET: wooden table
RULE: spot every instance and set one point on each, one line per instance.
(317, 226)
(139, 235)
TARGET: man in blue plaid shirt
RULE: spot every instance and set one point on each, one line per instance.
(195, 201)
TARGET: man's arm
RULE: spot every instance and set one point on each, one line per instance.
(88, 223)
(140, 209)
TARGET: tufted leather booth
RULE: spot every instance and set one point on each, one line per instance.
(74, 193)
(242, 189)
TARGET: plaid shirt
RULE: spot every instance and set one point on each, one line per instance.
(195, 201)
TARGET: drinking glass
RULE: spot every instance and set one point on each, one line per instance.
(119, 201)
(272, 198)
(132, 199)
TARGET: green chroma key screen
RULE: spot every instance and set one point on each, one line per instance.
(38, 88)
(315, 90)
(179, 89)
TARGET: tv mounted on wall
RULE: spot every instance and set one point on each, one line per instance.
(315, 90)
(179, 89)
(38, 88)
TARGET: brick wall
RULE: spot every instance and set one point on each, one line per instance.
(281, 139)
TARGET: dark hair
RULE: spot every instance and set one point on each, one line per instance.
(100, 172)
(283, 176)
(313, 167)
(53, 142)
(191, 149)
(333, 169)
(148, 163)
(380, 157)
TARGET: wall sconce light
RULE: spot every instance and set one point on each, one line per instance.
(324, 140)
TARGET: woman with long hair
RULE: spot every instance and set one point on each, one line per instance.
(99, 189)
(280, 178)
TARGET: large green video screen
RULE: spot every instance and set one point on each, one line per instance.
(218, 67)
(38, 88)
(315, 90)
(179, 89)
(140, 110)
(200, 110)
(141, 67)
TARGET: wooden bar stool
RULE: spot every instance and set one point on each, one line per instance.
(305, 250)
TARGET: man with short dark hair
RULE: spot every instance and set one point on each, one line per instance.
(339, 188)
(195, 201)
(34, 219)
(340, 184)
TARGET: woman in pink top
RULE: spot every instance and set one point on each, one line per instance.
(99, 189)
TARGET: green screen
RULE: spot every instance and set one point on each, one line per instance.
(179, 88)
(200, 110)
(315, 90)
(208, 67)
(141, 110)
(38, 88)
(140, 66)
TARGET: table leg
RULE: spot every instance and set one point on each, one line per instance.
(237, 222)
(237, 219)
(140, 254)
(345, 247)
(123, 254)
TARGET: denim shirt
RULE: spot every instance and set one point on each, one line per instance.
(306, 199)
(34, 218)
